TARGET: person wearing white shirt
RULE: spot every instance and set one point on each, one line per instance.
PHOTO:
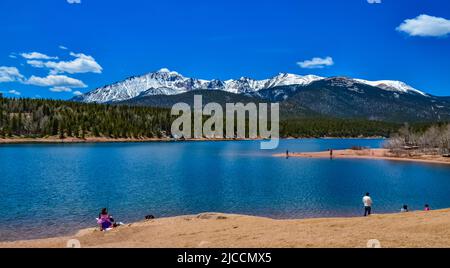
(367, 201)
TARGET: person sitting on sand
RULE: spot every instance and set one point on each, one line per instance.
(105, 221)
(427, 207)
(367, 201)
(404, 208)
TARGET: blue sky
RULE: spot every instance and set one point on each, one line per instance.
(80, 46)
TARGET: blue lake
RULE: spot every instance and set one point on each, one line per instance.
(49, 190)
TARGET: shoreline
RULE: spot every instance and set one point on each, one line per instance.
(217, 230)
(369, 154)
(103, 140)
(55, 140)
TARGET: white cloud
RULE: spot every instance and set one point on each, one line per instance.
(36, 63)
(63, 47)
(374, 1)
(14, 92)
(10, 74)
(316, 63)
(60, 89)
(74, 1)
(425, 25)
(37, 56)
(77, 93)
(81, 64)
(55, 81)
(12, 56)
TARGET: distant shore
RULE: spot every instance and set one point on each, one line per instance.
(374, 154)
(50, 140)
(412, 229)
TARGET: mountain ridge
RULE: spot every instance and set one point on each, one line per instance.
(166, 82)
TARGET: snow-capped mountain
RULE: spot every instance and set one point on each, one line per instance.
(162, 82)
(392, 86)
(166, 82)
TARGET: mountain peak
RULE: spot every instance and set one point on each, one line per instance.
(164, 73)
(166, 70)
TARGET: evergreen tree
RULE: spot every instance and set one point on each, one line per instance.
(43, 118)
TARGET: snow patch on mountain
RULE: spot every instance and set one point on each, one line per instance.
(391, 85)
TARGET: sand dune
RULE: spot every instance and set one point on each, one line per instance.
(413, 229)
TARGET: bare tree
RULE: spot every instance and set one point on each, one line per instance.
(446, 140)
(430, 139)
(405, 133)
(435, 140)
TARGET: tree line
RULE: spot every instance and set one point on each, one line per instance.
(40, 118)
(336, 127)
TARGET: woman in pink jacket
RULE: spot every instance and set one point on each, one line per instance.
(105, 221)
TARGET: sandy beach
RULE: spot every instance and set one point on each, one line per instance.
(412, 229)
(375, 154)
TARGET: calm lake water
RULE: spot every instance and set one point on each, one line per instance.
(49, 190)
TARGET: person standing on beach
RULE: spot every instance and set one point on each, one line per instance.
(367, 201)
(331, 153)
